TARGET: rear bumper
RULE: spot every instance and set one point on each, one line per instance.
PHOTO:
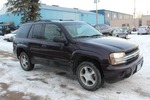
(116, 73)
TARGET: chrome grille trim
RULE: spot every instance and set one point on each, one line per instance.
(132, 55)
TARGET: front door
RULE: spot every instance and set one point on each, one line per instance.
(54, 51)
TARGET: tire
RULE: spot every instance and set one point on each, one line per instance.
(89, 76)
(125, 37)
(25, 62)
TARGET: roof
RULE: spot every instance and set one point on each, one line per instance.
(55, 7)
(113, 11)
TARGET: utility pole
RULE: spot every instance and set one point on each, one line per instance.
(96, 1)
(134, 12)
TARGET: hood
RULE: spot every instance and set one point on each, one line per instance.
(112, 43)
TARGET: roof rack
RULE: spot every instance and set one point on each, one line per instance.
(46, 20)
(54, 20)
(66, 20)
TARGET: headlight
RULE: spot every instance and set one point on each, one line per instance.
(117, 58)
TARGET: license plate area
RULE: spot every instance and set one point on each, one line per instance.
(138, 67)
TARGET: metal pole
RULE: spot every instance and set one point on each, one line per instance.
(96, 13)
(134, 13)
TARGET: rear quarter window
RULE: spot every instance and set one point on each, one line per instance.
(23, 31)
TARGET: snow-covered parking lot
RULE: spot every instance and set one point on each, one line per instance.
(47, 83)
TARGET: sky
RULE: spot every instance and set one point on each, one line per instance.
(124, 6)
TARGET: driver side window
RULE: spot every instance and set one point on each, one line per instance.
(51, 31)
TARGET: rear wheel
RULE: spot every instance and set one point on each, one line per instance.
(25, 62)
(125, 36)
(89, 76)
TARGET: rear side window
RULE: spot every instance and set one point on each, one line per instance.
(37, 31)
(23, 31)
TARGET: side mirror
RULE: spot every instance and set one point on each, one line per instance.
(60, 39)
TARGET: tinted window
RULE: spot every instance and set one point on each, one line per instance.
(37, 31)
(23, 31)
(51, 31)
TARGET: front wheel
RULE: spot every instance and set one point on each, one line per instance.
(89, 76)
(25, 62)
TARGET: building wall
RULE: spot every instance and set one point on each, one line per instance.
(125, 22)
(146, 20)
(76, 15)
(10, 18)
(55, 12)
(112, 15)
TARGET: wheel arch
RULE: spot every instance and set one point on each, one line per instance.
(21, 49)
(90, 57)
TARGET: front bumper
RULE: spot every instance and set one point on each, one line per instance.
(116, 73)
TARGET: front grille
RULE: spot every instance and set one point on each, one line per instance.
(132, 55)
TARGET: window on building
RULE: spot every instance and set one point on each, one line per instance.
(114, 16)
(108, 15)
(120, 17)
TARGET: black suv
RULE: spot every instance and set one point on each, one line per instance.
(92, 57)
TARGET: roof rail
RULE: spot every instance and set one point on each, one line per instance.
(66, 20)
(46, 20)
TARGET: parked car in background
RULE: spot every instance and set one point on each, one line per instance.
(134, 29)
(1, 33)
(104, 29)
(119, 32)
(10, 36)
(144, 30)
(126, 29)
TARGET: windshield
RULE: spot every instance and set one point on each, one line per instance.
(143, 26)
(79, 29)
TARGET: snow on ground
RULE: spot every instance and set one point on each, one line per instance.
(47, 83)
(5, 46)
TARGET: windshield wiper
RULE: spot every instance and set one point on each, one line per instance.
(96, 35)
(82, 36)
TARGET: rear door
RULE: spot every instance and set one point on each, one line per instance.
(35, 44)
